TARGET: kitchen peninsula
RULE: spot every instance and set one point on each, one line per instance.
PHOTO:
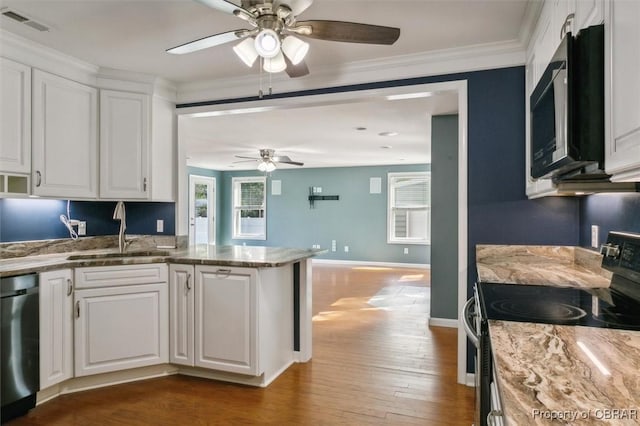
(233, 313)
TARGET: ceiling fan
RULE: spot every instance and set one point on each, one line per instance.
(272, 37)
(267, 161)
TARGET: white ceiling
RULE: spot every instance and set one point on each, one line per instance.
(133, 35)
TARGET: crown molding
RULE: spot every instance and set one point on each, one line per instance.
(447, 61)
(115, 79)
(36, 55)
(529, 21)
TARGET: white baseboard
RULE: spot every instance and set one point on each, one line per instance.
(443, 322)
(367, 263)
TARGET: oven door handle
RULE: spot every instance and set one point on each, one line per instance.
(467, 322)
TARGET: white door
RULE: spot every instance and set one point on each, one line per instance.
(202, 210)
(181, 316)
(124, 143)
(120, 327)
(15, 117)
(225, 319)
(56, 327)
(65, 137)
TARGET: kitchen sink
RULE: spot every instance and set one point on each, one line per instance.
(140, 253)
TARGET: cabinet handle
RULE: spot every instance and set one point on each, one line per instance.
(144, 184)
(188, 281)
(225, 272)
(38, 178)
(69, 287)
(78, 309)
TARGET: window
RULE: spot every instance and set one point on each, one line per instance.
(249, 208)
(409, 208)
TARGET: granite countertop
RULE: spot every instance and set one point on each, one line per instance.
(236, 256)
(546, 374)
(562, 266)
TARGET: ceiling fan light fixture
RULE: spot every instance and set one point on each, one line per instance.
(267, 43)
(275, 64)
(246, 51)
(295, 49)
(266, 166)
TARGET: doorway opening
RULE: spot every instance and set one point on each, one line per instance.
(391, 94)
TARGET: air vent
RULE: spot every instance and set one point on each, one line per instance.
(23, 19)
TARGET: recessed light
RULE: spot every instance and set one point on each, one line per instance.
(388, 134)
(386, 147)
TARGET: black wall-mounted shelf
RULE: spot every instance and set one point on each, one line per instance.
(313, 198)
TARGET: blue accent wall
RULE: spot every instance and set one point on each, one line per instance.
(27, 219)
(357, 219)
(611, 212)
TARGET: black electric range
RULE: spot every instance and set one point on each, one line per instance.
(615, 307)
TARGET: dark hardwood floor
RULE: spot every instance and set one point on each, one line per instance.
(375, 361)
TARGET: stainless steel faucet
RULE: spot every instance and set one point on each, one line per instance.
(120, 214)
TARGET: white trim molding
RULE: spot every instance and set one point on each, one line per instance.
(438, 62)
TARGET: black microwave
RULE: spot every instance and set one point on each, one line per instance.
(567, 111)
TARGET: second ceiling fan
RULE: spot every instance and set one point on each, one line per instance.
(273, 36)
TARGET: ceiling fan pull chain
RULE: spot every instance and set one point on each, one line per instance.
(260, 90)
(270, 89)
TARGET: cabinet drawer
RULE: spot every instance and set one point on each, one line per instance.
(103, 276)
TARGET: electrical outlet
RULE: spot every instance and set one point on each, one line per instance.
(346, 249)
(595, 230)
(406, 250)
(159, 225)
(82, 228)
(333, 245)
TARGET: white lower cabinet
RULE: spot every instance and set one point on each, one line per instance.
(121, 318)
(56, 327)
(219, 309)
(181, 315)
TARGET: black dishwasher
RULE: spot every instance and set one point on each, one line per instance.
(20, 344)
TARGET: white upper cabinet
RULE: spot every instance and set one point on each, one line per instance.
(15, 117)
(622, 90)
(65, 137)
(124, 145)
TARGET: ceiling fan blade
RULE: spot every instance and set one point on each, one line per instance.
(248, 158)
(209, 41)
(295, 71)
(349, 32)
(286, 160)
(296, 6)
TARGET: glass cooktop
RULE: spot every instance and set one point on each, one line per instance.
(559, 305)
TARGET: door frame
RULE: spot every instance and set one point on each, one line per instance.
(353, 96)
(193, 180)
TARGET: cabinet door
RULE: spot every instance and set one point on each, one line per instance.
(120, 327)
(622, 90)
(56, 327)
(65, 136)
(225, 323)
(124, 145)
(15, 117)
(588, 13)
(181, 315)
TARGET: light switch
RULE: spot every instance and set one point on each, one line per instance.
(159, 225)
